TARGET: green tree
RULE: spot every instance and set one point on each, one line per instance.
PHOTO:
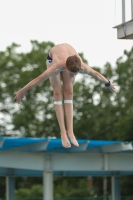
(33, 192)
(124, 98)
(94, 109)
(34, 116)
(2, 187)
(63, 187)
(98, 113)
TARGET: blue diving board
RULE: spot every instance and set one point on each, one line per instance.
(45, 145)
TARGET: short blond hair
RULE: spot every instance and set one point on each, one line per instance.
(73, 63)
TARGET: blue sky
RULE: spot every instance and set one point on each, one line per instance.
(85, 24)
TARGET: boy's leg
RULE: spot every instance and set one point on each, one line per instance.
(57, 89)
(60, 117)
(68, 105)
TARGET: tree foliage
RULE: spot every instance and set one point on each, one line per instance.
(34, 116)
(98, 113)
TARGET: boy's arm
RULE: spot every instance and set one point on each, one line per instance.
(51, 71)
(88, 70)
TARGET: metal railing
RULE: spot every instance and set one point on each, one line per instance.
(123, 11)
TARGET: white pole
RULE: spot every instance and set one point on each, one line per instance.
(48, 179)
(47, 185)
(115, 186)
(10, 188)
(123, 11)
(131, 9)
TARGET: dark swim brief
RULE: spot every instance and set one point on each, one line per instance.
(49, 59)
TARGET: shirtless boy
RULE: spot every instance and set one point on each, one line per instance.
(63, 63)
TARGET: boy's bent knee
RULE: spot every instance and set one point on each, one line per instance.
(57, 94)
(68, 94)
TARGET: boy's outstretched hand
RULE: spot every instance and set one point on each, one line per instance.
(112, 87)
(18, 96)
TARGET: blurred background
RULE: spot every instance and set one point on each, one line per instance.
(28, 29)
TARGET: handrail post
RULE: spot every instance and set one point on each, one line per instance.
(123, 11)
(131, 9)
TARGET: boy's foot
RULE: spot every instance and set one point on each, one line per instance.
(65, 141)
(73, 139)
